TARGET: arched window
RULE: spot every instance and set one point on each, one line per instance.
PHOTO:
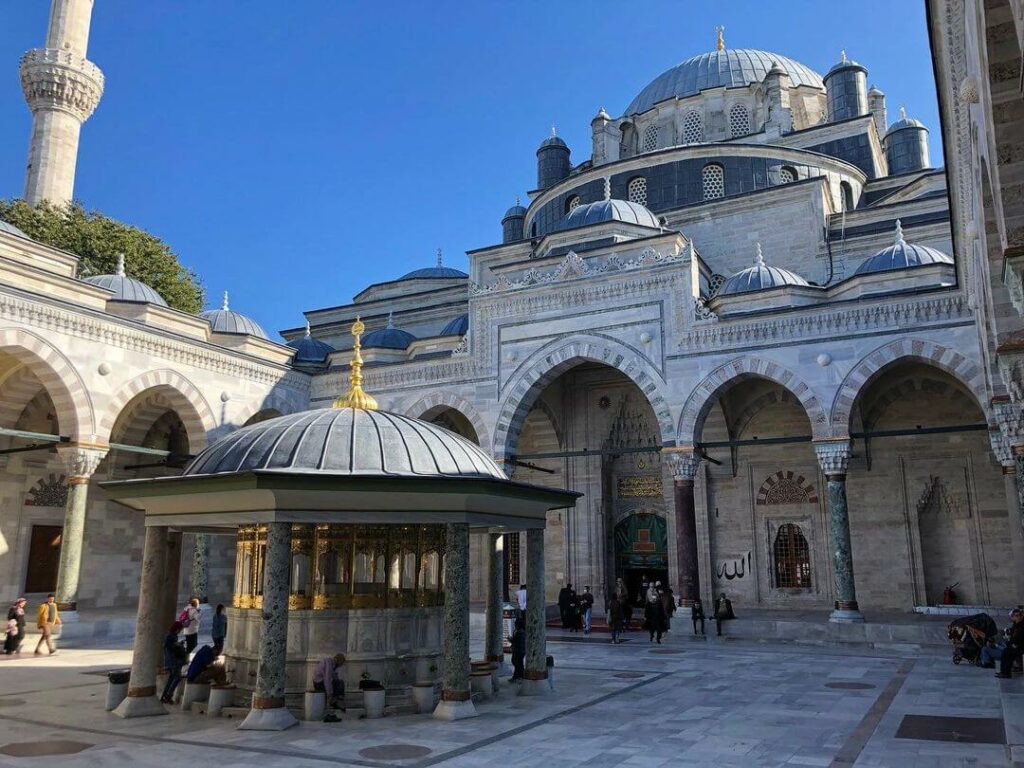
(571, 203)
(693, 128)
(787, 175)
(739, 120)
(638, 190)
(846, 192)
(627, 142)
(650, 138)
(792, 558)
(713, 180)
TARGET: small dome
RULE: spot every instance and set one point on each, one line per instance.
(346, 441)
(844, 63)
(457, 327)
(10, 229)
(759, 277)
(902, 255)
(554, 140)
(904, 122)
(388, 337)
(515, 212)
(225, 320)
(602, 115)
(875, 91)
(126, 288)
(309, 350)
(608, 210)
(435, 272)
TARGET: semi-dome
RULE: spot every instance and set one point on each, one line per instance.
(902, 255)
(126, 288)
(10, 229)
(226, 320)
(388, 337)
(310, 350)
(439, 270)
(608, 210)
(457, 327)
(760, 277)
(346, 441)
(728, 68)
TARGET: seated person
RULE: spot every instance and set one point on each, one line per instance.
(326, 680)
(204, 668)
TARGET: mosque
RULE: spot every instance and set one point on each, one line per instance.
(774, 347)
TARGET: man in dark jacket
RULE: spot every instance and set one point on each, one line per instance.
(586, 609)
(654, 615)
(615, 616)
(1014, 644)
(518, 651)
(564, 598)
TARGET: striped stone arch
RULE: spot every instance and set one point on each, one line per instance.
(272, 402)
(76, 415)
(435, 400)
(965, 370)
(554, 359)
(706, 394)
(192, 408)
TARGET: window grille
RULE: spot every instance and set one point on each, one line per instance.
(512, 552)
(713, 179)
(572, 203)
(786, 175)
(693, 128)
(792, 558)
(739, 120)
(638, 190)
(650, 138)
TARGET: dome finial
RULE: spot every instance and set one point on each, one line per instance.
(391, 320)
(720, 43)
(759, 258)
(119, 270)
(309, 331)
(356, 397)
(842, 56)
(607, 187)
(224, 303)
(517, 201)
(553, 131)
(899, 233)
(440, 257)
(903, 112)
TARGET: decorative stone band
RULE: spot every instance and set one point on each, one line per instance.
(683, 461)
(535, 675)
(56, 79)
(275, 702)
(455, 695)
(1009, 470)
(846, 605)
(833, 457)
(81, 460)
(142, 693)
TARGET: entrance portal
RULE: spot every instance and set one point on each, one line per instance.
(641, 550)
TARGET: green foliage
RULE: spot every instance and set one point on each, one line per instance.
(97, 240)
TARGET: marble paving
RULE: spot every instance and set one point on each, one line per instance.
(714, 703)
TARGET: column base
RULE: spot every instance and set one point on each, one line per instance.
(277, 719)
(529, 687)
(454, 710)
(846, 616)
(139, 706)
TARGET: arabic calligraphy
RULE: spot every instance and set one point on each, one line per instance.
(736, 568)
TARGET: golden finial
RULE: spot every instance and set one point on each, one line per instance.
(720, 44)
(356, 397)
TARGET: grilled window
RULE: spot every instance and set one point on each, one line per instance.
(572, 203)
(713, 180)
(786, 175)
(739, 120)
(693, 128)
(792, 558)
(650, 138)
(512, 550)
(638, 190)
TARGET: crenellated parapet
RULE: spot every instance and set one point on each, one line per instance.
(61, 80)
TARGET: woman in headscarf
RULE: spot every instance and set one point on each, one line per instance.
(15, 626)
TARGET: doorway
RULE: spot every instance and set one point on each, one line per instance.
(43, 558)
(641, 550)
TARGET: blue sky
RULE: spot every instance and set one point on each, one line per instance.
(294, 153)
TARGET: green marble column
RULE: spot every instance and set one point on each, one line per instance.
(834, 458)
(200, 578)
(495, 577)
(81, 463)
(456, 703)
(535, 681)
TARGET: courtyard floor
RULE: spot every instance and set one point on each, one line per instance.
(686, 702)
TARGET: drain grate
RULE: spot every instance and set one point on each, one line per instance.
(395, 752)
(842, 686)
(965, 730)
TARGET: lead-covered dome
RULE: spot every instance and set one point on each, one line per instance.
(226, 320)
(760, 277)
(388, 337)
(608, 210)
(126, 288)
(728, 68)
(310, 350)
(902, 255)
(439, 270)
(457, 327)
(346, 441)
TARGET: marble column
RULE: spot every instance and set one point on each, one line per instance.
(81, 463)
(684, 463)
(142, 700)
(834, 458)
(200, 579)
(495, 576)
(268, 711)
(455, 702)
(1013, 479)
(169, 584)
(535, 676)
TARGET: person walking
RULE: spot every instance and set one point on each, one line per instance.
(564, 595)
(518, 643)
(1014, 644)
(697, 614)
(586, 608)
(654, 615)
(47, 619)
(622, 593)
(190, 618)
(668, 604)
(175, 655)
(615, 617)
(16, 626)
(219, 630)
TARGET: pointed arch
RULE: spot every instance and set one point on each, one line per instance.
(274, 401)
(706, 394)
(555, 358)
(436, 400)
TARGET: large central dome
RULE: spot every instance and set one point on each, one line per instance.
(729, 68)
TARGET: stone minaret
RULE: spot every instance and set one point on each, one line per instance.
(62, 89)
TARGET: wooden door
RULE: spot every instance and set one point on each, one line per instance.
(43, 558)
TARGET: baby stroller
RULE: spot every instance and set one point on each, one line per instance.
(969, 634)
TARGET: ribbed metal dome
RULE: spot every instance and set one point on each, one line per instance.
(552, 141)
(516, 211)
(12, 230)
(346, 441)
(731, 67)
(608, 210)
(310, 350)
(126, 288)
(902, 255)
(457, 327)
(905, 122)
(225, 320)
(388, 337)
(439, 270)
(759, 277)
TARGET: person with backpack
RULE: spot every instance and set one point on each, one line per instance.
(189, 618)
(175, 656)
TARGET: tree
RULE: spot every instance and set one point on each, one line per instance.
(97, 240)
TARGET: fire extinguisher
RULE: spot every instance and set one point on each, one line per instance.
(948, 595)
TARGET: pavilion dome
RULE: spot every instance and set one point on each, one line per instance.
(902, 255)
(760, 277)
(226, 320)
(126, 288)
(346, 441)
(310, 350)
(457, 327)
(439, 270)
(388, 337)
(608, 210)
(728, 68)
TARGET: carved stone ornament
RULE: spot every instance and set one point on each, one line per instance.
(56, 79)
(833, 456)
(81, 462)
(969, 90)
(1011, 370)
(1013, 279)
(682, 462)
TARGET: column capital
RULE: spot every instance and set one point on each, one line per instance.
(682, 460)
(833, 455)
(81, 459)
